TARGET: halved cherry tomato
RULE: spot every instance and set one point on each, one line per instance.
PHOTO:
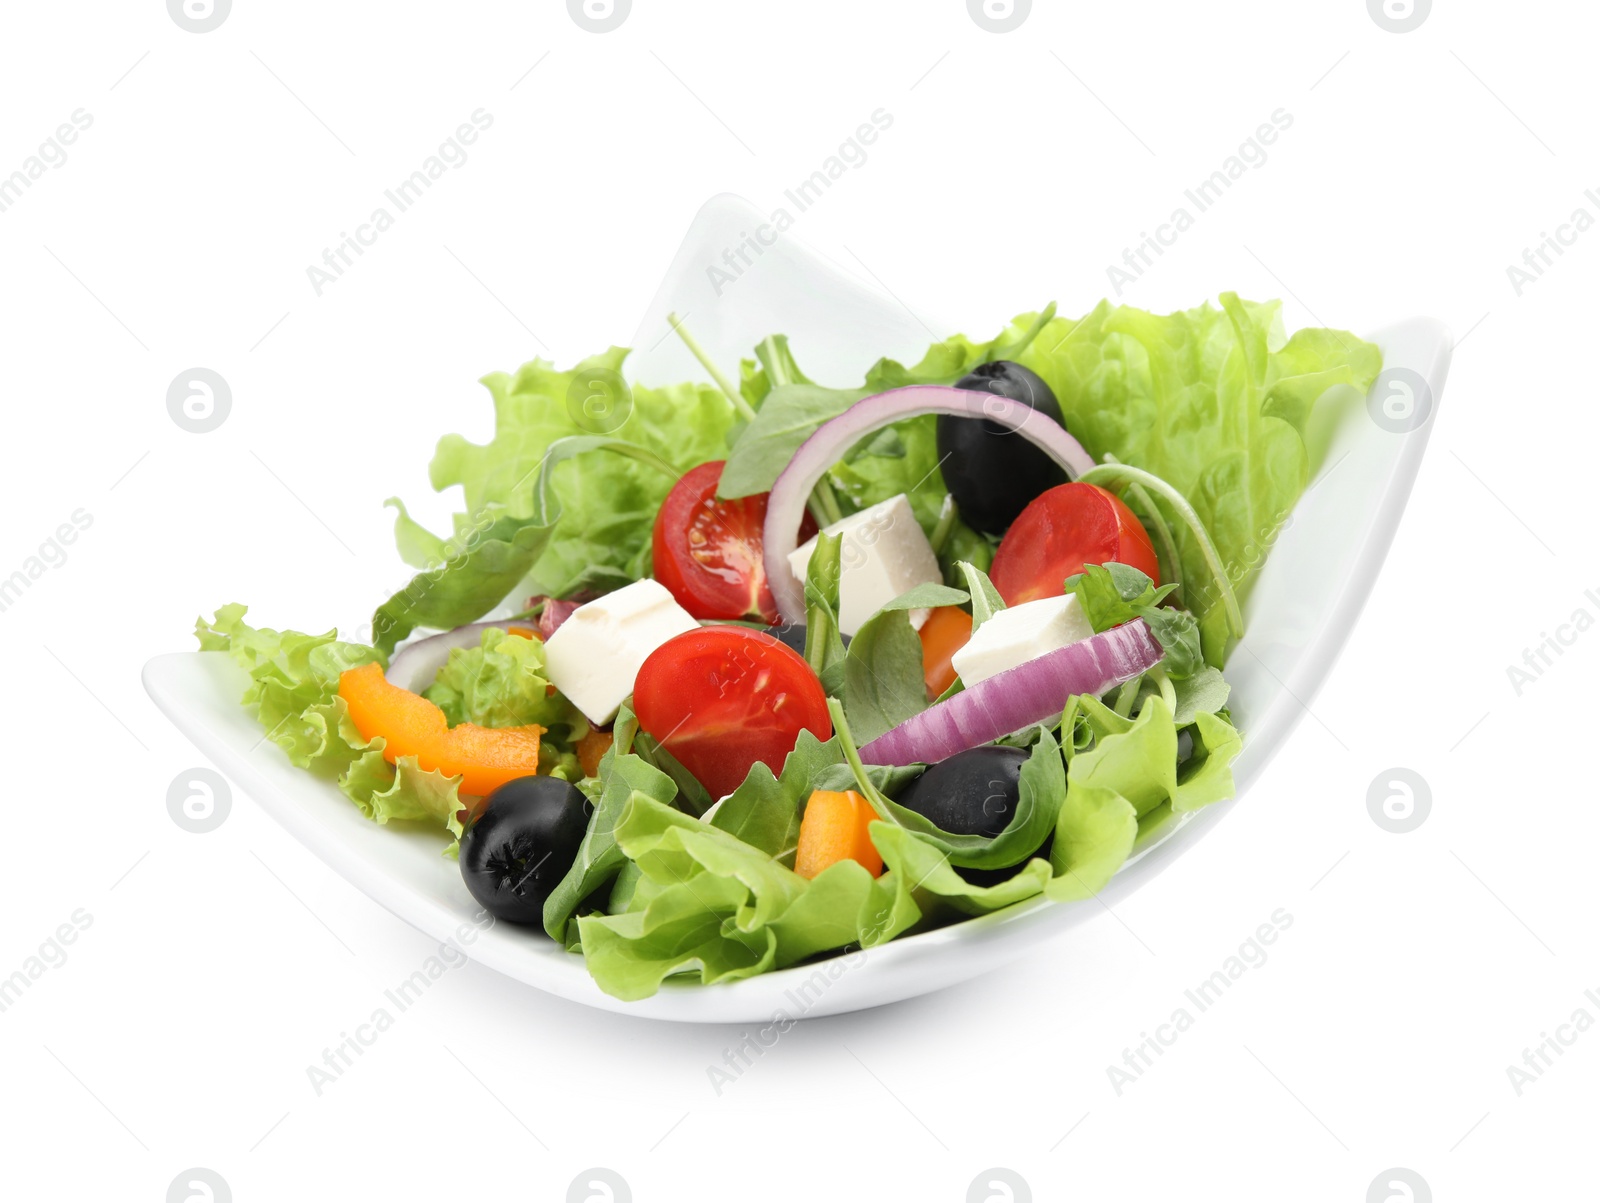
(707, 551)
(944, 634)
(1062, 530)
(722, 698)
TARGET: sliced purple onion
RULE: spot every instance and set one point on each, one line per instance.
(827, 445)
(555, 613)
(1033, 692)
(416, 664)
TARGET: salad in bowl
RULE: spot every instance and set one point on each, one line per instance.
(716, 679)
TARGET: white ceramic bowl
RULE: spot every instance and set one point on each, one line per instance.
(1300, 613)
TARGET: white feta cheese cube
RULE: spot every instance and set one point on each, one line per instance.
(595, 655)
(884, 554)
(1020, 634)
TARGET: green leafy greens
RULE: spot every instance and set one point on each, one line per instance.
(1213, 401)
(1200, 419)
(1112, 594)
(294, 694)
(502, 683)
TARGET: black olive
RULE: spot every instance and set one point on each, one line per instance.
(993, 877)
(993, 473)
(522, 846)
(793, 636)
(973, 793)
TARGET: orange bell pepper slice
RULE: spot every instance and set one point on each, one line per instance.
(591, 748)
(834, 828)
(946, 632)
(485, 758)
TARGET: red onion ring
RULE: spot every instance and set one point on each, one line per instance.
(787, 503)
(1032, 692)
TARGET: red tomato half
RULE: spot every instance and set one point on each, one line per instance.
(707, 552)
(722, 698)
(1062, 530)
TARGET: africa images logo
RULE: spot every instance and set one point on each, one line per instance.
(199, 16)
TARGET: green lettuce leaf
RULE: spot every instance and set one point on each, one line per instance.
(596, 529)
(917, 866)
(1136, 760)
(1095, 833)
(502, 683)
(599, 859)
(1213, 401)
(707, 902)
(1128, 786)
(294, 694)
(1207, 777)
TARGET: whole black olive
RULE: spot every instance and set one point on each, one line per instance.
(993, 473)
(793, 636)
(522, 845)
(993, 877)
(973, 793)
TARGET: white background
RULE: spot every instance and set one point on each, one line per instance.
(1019, 165)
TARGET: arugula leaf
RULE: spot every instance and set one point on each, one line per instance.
(485, 562)
(1113, 593)
(773, 365)
(1206, 776)
(788, 416)
(928, 597)
(825, 650)
(627, 737)
(480, 567)
(1203, 693)
(1138, 758)
(599, 858)
(883, 678)
(764, 811)
(791, 408)
(883, 682)
(986, 599)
